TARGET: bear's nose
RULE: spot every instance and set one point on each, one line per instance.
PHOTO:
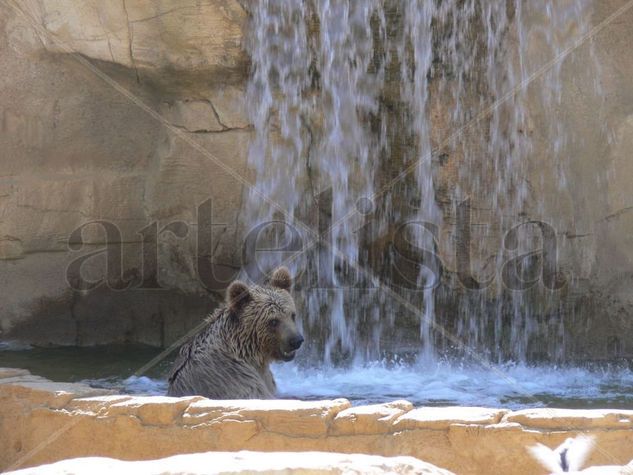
(296, 342)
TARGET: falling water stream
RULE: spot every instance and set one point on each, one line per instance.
(383, 118)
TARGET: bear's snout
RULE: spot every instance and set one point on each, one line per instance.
(295, 342)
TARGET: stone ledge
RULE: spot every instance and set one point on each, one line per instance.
(468, 440)
(564, 419)
(444, 417)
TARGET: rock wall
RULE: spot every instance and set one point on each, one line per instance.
(591, 212)
(43, 422)
(133, 113)
(106, 108)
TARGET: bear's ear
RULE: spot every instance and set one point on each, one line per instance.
(237, 296)
(281, 278)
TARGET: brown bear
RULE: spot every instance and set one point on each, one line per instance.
(230, 357)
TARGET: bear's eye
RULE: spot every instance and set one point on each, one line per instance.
(293, 316)
(274, 323)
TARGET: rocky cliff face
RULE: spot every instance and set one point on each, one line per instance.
(132, 113)
(591, 213)
(582, 197)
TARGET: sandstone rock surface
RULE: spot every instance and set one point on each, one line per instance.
(102, 102)
(43, 422)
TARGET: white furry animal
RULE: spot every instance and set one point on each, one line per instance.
(567, 457)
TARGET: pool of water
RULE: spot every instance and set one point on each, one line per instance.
(515, 386)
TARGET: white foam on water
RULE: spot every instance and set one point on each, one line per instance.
(144, 384)
(137, 385)
(513, 386)
(508, 385)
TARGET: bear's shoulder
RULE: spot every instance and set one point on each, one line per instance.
(199, 340)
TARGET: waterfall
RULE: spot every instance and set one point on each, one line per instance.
(403, 117)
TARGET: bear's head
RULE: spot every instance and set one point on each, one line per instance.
(266, 317)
